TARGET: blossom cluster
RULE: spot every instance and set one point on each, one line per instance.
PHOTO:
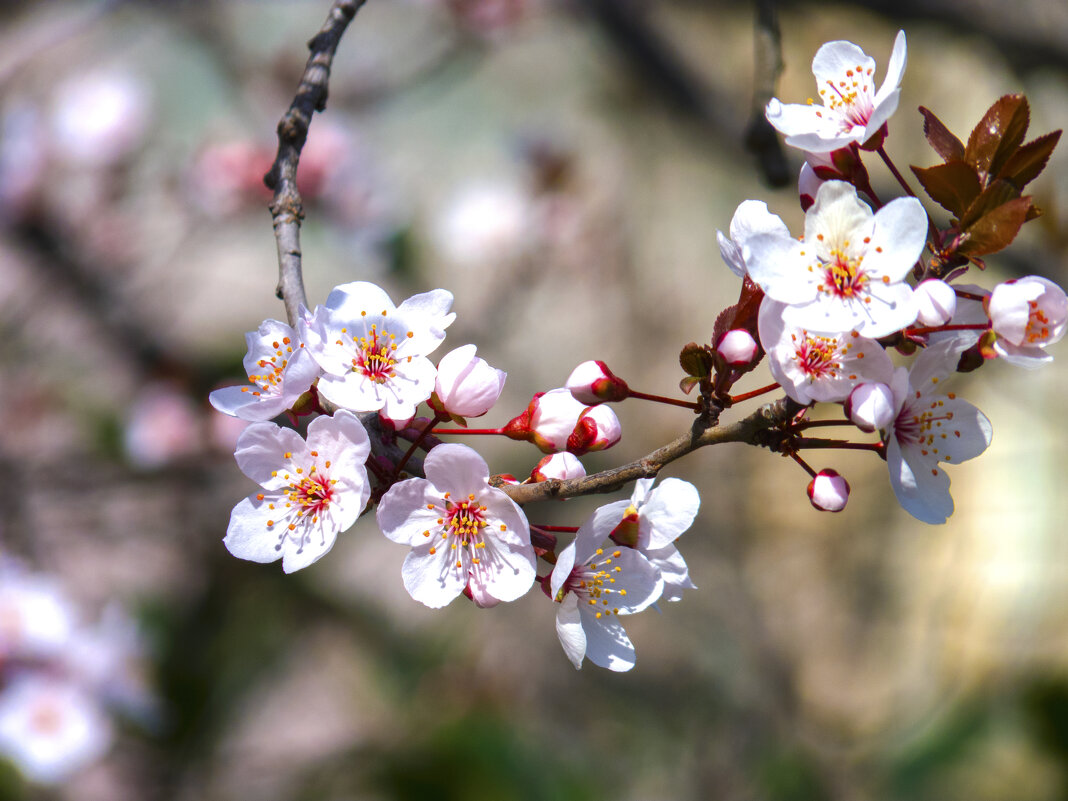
(59, 677)
(358, 356)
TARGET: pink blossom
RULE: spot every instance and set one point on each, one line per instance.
(1027, 314)
(828, 491)
(467, 386)
(464, 533)
(936, 302)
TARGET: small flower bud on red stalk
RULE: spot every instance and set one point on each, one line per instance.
(592, 383)
(466, 385)
(828, 491)
(598, 428)
(562, 466)
(548, 420)
(738, 348)
(871, 406)
(936, 302)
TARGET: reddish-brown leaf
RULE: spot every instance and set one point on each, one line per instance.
(945, 144)
(953, 185)
(742, 314)
(996, 229)
(1027, 162)
(998, 134)
(995, 195)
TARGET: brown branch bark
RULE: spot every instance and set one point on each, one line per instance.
(287, 208)
(751, 430)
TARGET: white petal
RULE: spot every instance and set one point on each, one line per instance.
(565, 564)
(895, 71)
(432, 578)
(639, 577)
(834, 59)
(965, 435)
(668, 511)
(352, 391)
(668, 560)
(261, 451)
(239, 402)
(569, 630)
(921, 487)
(403, 515)
(592, 534)
(247, 535)
(457, 469)
(342, 439)
(900, 231)
(351, 300)
(779, 265)
(607, 644)
(506, 570)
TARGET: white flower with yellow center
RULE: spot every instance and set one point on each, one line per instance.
(594, 585)
(465, 534)
(850, 109)
(848, 272)
(312, 489)
(374, 354)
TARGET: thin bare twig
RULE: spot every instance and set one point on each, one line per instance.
(287, 208)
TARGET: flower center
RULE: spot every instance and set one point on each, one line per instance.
(375, 353)
(304, 501)
(592, 583)
(921, 425)
(1038, 323)
(850, 97)
(843, 277)
(817, 357)
(461, 527)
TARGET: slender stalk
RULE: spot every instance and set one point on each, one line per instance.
(754, 393)
(807, 467)
(417, 442)
(467, 431)
(934, 329)
(661, 399)
(560, 529)
(839, 444)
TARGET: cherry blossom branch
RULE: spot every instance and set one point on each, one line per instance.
(287, 208)
(753, 430)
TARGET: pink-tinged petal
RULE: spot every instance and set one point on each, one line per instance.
(352, 300)
(353, 392)
(669, 511)
(1030, 357)
(921, 487)
(834, 60)
(507, 523)
(1009, 308)
(895, 71)
(569, 630)
(752, 217)
(353, 493)
(899, 386)
(779, 265)
(432, 578)
(674, 571)
(607, 644)
(936, 302)
(261, 451)
(456, 469)
(933, 365)
(506, 570)
(240, 402)
(404, 514)
(964, 435)
(318, 542)
(248, 536)
(884, 109)
(319, 333)
(892, 311)
(341, 438)
(770, 324)
(266, 341)
(642, 488)
(412, 384)
(639, 577)
(731, 254)
(898, 237)
(838, 216)
(565, 563)
(592, 534)
(808, 127)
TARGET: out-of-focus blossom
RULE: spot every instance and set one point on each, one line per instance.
(594, 586)
(163, 426)
(464, 534)
(313, 490)
(280, 370)
(592, 382)
(466, 385)
(374, 354)
(851, 110)
(936, 302)
(488, 18)
(814, 367)
(1027, 314)
(750, 219)
(51, 728)
(99, 118)
(561, 465)
(484, 223)
(22, 155)
(848, 273)
(828, 491)
(227, 176)
(36, 618)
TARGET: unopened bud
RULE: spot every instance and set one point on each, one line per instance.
(597, 428)
(737, 347)
(592, 383)
(936, 302)
(466, 385)
(828, 491)
(871, 406)
(548, 420)
(561, 465)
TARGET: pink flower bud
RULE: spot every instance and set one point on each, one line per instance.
(597, 428)
(548, 420)
(592, 382)
(466, 385)
(1029, 312)
(561, 465)
(936, 302)
(871, 406)
(828, 491)
(737, 347)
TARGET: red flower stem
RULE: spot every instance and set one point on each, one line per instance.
(417, 442)
(467, 431)
(806, 442)
(823, 423)
(968, 295)
(808, 469)
(562, 529)
(661, 399)
(912, 332)
(755, 393)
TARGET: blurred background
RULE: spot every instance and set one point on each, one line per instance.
(562, 167)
